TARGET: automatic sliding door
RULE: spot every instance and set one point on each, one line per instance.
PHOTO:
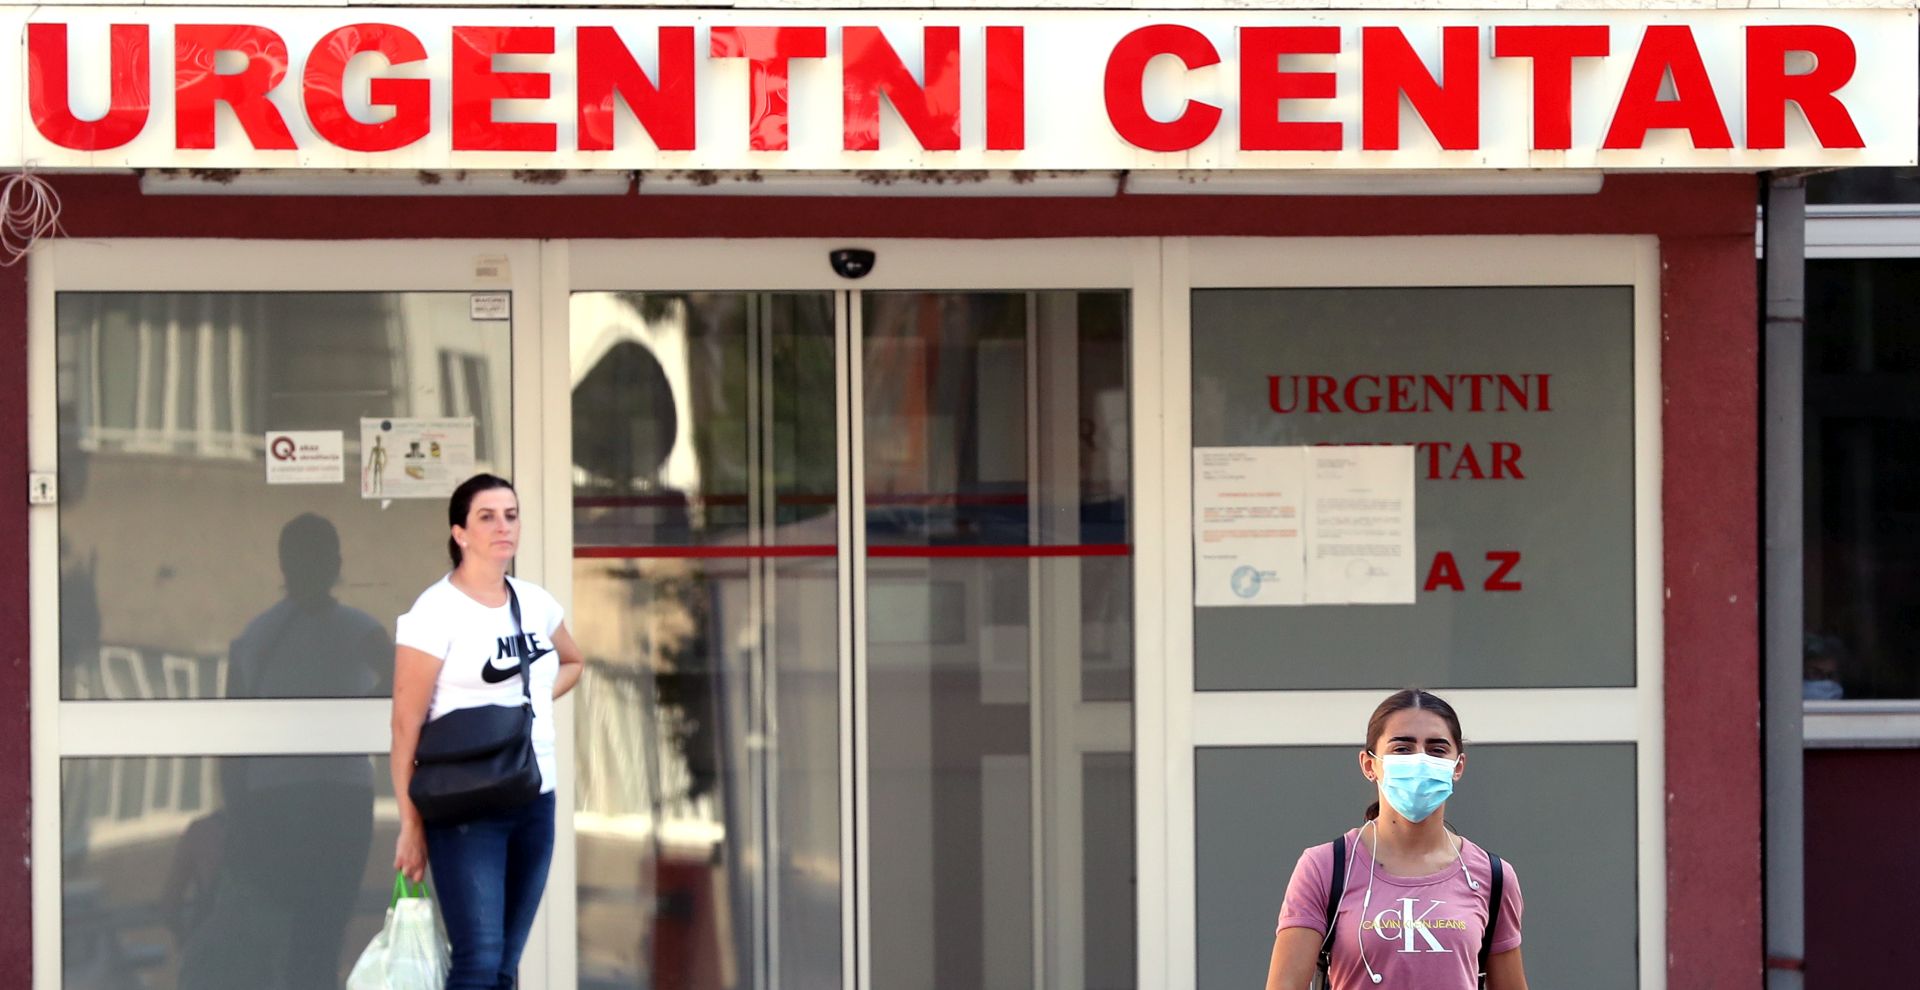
(997, 646)
(708, 728)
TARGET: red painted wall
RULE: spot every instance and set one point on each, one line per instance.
(16, 839)
(1862, 868)
(1710, 505)
(1710, 487)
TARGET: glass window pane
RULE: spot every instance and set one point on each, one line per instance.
(1862, 476)
(707, 814)
(1865, 185)
(998, 639)
(1258, 807)
(183, 573)
(252, 872)
(1519, 402)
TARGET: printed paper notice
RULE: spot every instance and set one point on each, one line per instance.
(1247, 504)
(414, 458)
(306, 457)
(1359, 525)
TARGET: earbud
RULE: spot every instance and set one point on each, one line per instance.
(1472, 883)
(1376, 977)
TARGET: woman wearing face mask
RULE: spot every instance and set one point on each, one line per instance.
(1415, 899)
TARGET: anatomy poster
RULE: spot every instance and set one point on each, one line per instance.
(414, 458)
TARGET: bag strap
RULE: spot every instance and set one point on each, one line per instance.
(1336, 888)
(520, 644)
(1494, 893)
(404, 888)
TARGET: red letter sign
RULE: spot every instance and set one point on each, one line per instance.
(325, 78)
(1263, 86)
(1389, 67)
(1769, 87)
(767, 51)
(476, 86)
(607, 68)
(1126, 106)
(1553, 48)
(1668, 48)
(1006, 88)
(197, 86)
(870, 67)
(129, 70)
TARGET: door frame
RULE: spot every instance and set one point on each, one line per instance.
(1129, 264)
(62, 729)
(1197, 719)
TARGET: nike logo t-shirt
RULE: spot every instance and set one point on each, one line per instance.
(479, 665)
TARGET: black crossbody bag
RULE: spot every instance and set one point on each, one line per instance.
(478, 761)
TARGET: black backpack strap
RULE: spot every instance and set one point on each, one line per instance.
(1494, 893)
(1336, 888)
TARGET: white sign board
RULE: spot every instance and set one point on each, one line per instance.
(306, 457)
(1303, 525)
(414, 458)
(1360, 525)
(878, 90)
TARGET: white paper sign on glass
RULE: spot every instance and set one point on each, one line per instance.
(1303, 525)
(1360, 525)
(306, 457)
(414, 458)
(1247, 505)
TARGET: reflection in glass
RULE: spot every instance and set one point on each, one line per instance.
(707, 813)
(1862, 476)
(183, 573)
(998, 638)
(222, 873)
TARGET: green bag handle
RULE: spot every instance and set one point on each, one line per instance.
(402, 887)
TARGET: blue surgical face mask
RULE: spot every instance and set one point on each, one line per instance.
(1416, 784)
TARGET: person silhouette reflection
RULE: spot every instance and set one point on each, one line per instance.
(293, 831)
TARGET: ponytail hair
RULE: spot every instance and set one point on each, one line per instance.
(461, 504)
(1411, 699)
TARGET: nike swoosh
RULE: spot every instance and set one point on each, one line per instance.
(495, 675)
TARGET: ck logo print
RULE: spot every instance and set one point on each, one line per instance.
(1413, 928)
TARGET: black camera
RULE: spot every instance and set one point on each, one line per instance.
(851, 262)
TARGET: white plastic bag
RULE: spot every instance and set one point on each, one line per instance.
(408, 953)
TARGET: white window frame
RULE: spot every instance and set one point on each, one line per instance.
(1862, 232)
(62, 729)
(1307, 718)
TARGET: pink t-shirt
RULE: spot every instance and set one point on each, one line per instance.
(1421, 933)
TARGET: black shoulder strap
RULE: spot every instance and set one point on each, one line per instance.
(1495, 890)
(520, 644)
(1336, 886)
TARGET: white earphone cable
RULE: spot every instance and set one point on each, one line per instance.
(1366, 903)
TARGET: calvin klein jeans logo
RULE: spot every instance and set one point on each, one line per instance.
(1408, 926)
(505, 649)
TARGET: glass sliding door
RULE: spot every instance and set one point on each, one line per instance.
(853, 570)
(997, 637)
(707, 810)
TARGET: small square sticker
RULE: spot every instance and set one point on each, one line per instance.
(490, 305)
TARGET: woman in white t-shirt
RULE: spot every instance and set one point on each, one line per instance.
(456, 649)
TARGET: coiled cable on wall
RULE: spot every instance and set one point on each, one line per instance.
(29, 210)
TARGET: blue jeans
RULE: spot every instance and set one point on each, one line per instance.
(488, 875)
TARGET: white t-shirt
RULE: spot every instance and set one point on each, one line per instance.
(478, 663)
